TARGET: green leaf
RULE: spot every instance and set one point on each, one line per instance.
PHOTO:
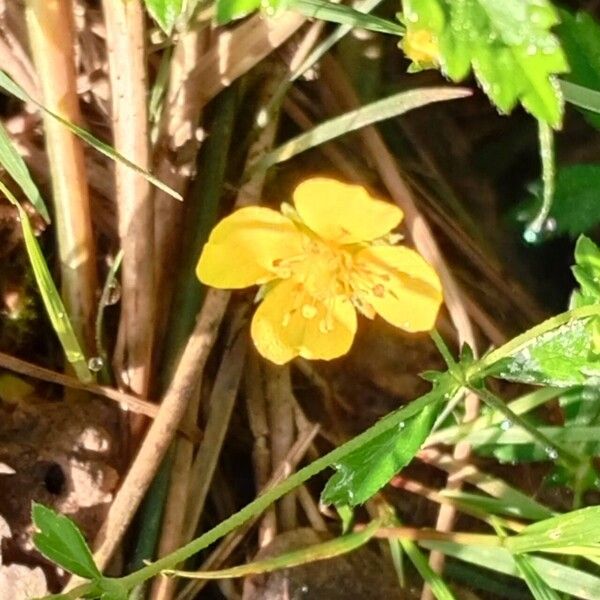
(228, 10)
(437, 584)
(576, 528)
(165, 12)
(15, 166)
(9, 86)
(580, 37)
(587, 269)
(60, 540)
(561, 357)
(508, 44)
(367, 469)
(345, 15)
(538, 587)
(51, 298)
(576, 205)
(560, 577)
(351, 121)
(581, 96)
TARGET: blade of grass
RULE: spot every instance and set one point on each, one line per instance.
(581, 96)
(536, 584)
(346, 15)
(15, 166)
(9, 86)
(330, 549)
(434, 580)
(50, 296)
(558, 576)
(386, 108)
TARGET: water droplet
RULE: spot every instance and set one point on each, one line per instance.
(551, 452)
(506, 425)
(532, 235)
(531, 50)
(401, 425)
(96, 363)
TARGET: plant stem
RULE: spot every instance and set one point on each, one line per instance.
(569, 459)
(264, 501)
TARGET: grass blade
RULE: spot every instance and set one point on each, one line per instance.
(11, 160)
(538, 587)
(8, 85)
(345, 15)
(367, 115)
(558, 576)
(581, 96)
(50, 296)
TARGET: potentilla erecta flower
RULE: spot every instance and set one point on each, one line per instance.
(319, 262)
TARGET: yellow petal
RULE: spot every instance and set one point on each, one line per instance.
(242, 247)
(289, 323)
(342, 212)
(406, 291)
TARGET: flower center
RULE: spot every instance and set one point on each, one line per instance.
(323, 269)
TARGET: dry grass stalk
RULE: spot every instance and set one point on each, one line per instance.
(192, 478)
(163, 429)
(15, 59)
(50, 26)
(280, 407)
(125, 37)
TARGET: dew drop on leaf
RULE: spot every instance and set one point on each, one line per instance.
(95, 364)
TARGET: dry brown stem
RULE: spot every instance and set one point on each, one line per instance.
(50, 26)
(125, 37)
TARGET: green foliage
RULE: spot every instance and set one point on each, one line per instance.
(580, 37)
(15, 166)
(363, 472)
(13, 89)
(560, 358)
(345, 15)
(228, 10)
(373, 112)
(535, 582)
(165, 12)
(509, 46)
(566, 355)
(50, 296)
(60, 540)
(576, 528)
(581, 96)
(576, 205)
(587, 272)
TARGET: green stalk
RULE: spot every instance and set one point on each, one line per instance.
(550, 447)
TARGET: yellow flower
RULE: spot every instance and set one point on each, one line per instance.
(319, 263)
(421, 46)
